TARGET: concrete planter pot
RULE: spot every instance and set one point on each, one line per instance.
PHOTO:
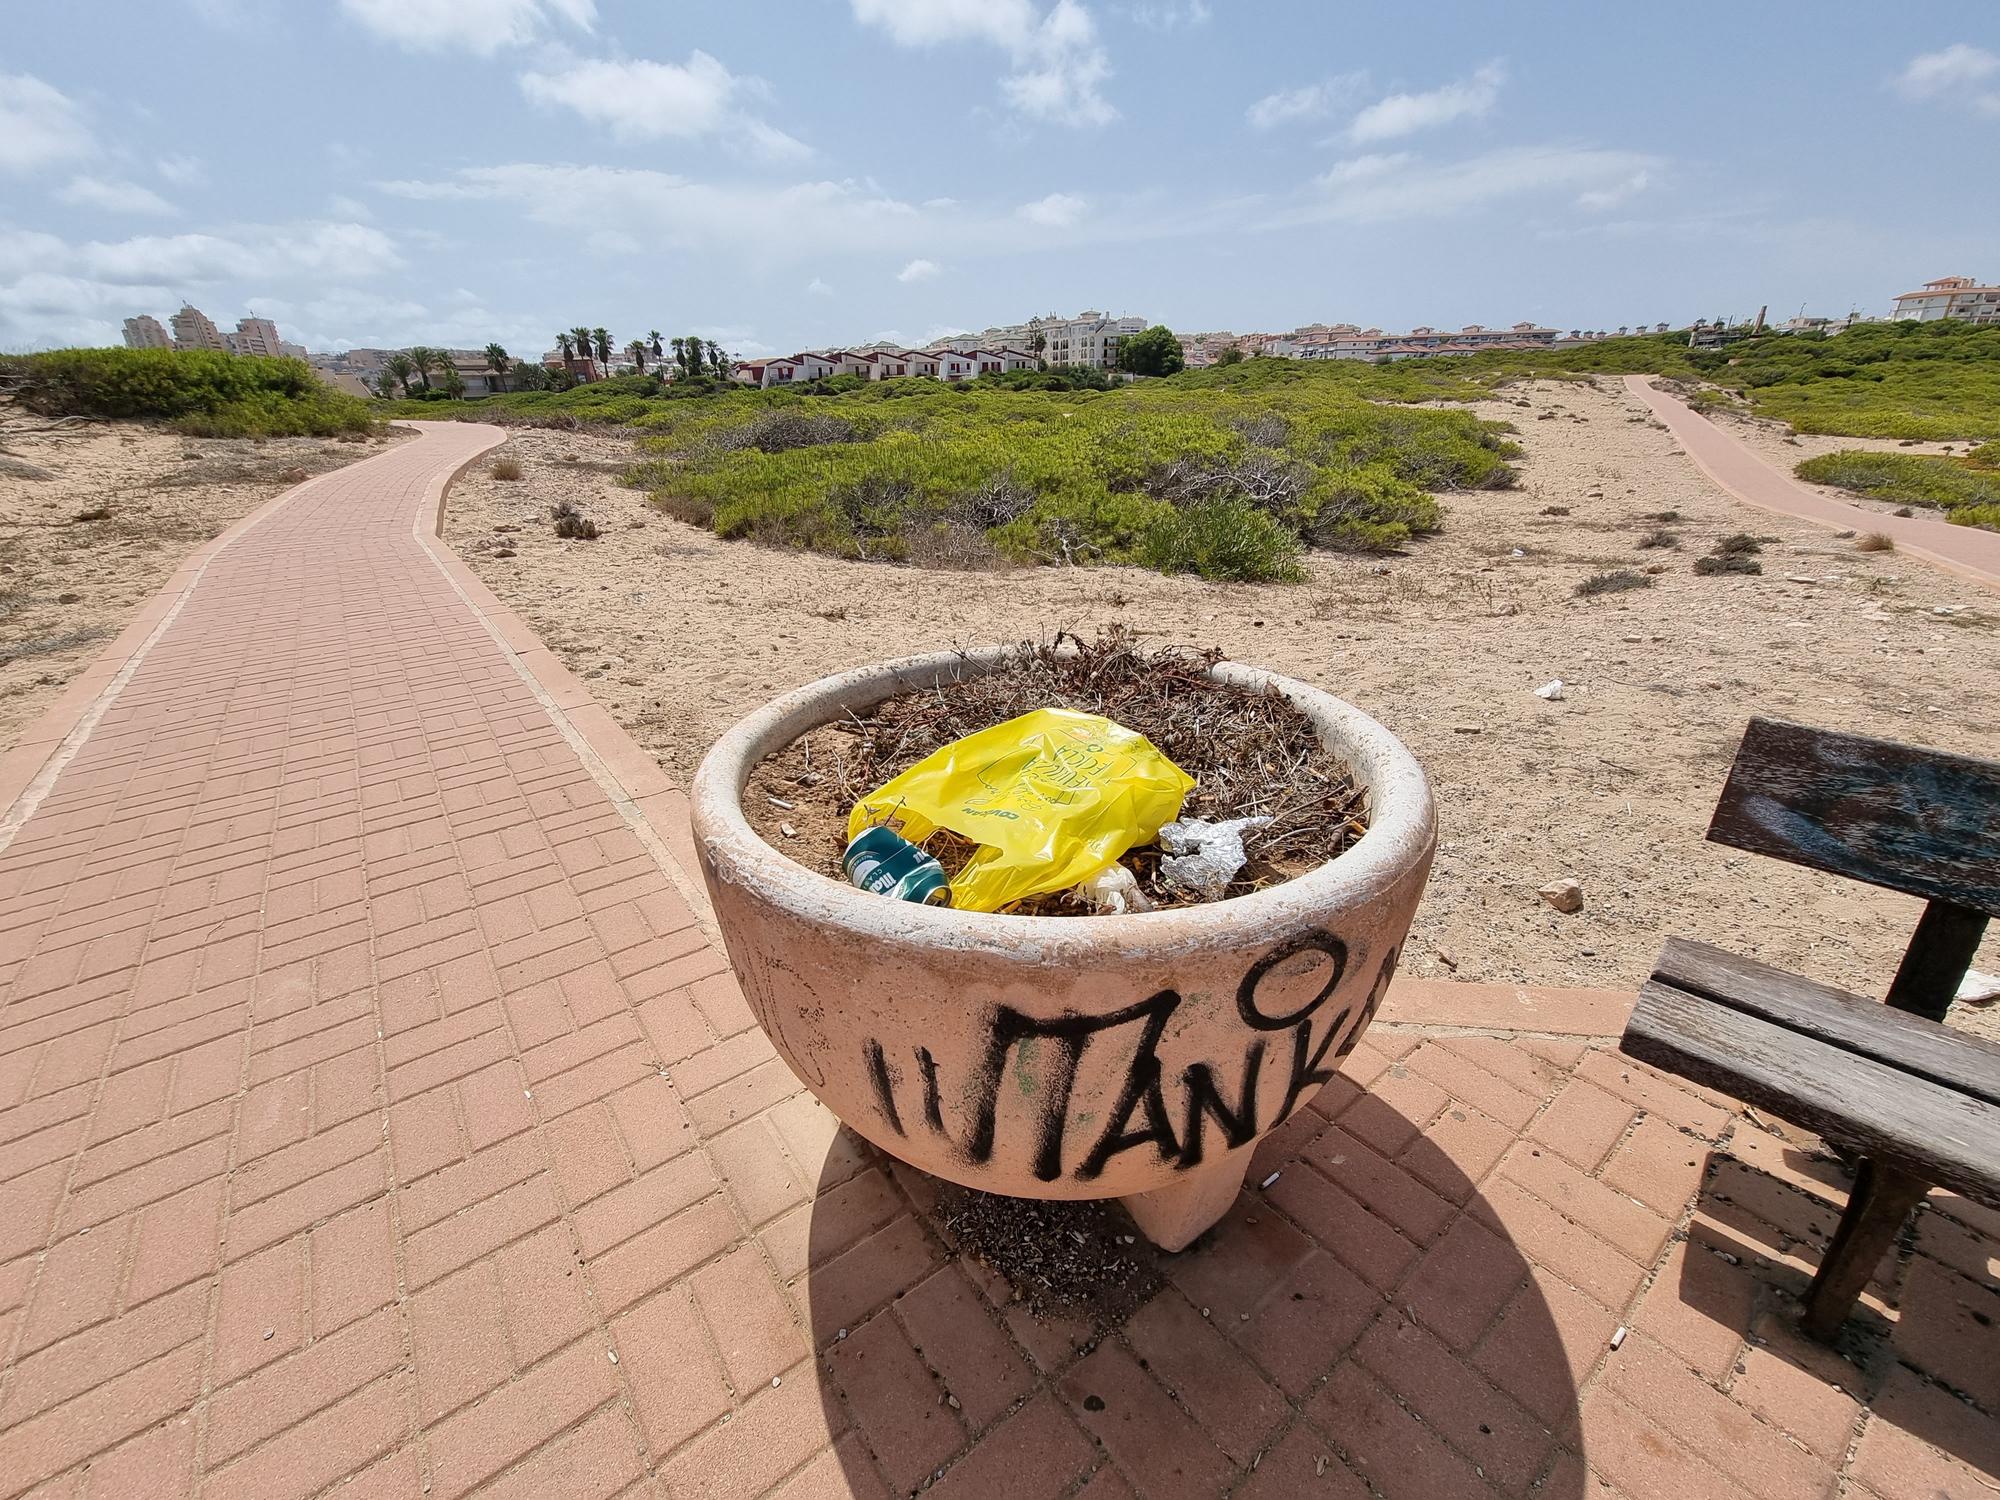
(1136, 1057)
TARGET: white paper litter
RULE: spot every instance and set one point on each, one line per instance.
(1204, 857)
(1978, 989)
(1113, 889)
(1551, 691)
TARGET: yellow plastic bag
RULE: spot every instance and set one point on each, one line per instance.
(1052, 797)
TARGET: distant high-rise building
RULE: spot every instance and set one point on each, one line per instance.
(145, 332)
(256, 336)
(193, 330)
(293, 351)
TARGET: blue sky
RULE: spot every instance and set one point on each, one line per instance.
(791, 172)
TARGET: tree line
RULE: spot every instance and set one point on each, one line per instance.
(409, 371)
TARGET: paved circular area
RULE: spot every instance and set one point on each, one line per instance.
(377, 1118)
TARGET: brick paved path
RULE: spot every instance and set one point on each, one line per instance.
(376, 1118)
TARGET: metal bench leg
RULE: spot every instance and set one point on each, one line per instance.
(1882, 1199)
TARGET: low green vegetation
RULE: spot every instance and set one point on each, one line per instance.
(1225, 479)
(202, 392)
(1967, 490)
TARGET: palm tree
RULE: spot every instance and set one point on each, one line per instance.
(423, 361)
(600, 340)
(653, 343)
(566, 346)
(637, 349)
(399, 368)
(715, 360)
(680, 354)
(454, 383)
(582, 337)
(694, 353)
(496, 361)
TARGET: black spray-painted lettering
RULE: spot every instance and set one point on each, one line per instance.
(1141, 1117)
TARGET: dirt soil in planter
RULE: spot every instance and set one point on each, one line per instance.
(1250, 753)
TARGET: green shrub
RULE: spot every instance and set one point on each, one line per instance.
(1158, 473)
(1231, 540)
(1953, 485)
(202, 392)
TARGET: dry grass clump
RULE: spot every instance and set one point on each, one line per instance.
(506, 468)
(1875, 541)
(1659, 536)
(1251, 753)
(1621, 581)
(572, 525)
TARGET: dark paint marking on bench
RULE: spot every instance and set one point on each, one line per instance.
(1898, 816)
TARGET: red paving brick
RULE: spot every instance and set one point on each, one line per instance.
(376, 1119)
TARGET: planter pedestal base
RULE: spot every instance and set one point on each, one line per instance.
(1172, 1217)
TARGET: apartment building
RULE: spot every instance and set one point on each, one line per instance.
(877, 363)
(193, 330)
(1949, 297)
(1089, 338)
(257, 336)
(145, 332)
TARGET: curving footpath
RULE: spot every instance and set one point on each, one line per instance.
(378, 1119)
(1968, 551)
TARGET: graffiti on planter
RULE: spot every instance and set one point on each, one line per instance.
(1141, 1116)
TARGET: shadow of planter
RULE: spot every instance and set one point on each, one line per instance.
(1360, 1318)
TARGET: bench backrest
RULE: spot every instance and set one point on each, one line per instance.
(1898, 816)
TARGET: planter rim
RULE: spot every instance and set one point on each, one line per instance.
(1401, 825)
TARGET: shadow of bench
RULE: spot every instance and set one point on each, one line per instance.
(1918, 1103)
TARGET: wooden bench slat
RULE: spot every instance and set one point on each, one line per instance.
(1896, 816)
(1907, 1043)
(1944, 1136)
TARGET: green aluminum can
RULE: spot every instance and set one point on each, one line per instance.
(881, 860)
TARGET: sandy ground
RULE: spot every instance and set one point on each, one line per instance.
(679, 634)
(67, 586)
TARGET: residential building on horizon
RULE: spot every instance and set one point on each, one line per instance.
(146, 332)
(193, 330)
(1949, 297)
(255, 336)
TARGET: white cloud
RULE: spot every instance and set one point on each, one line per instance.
(266, 251)
(114, 197)
(818, 288)
(101, 281)
(182, 171)
(481, 27)
(940, 204)
(663, 209)
(1405, 114)
(928, 23)
(1058, 64)
(918, 270)
(39, 125)
(1364, 168)
(640, 100)
(1599, 199)
(1378, 189)
(1958, 74)
(1057, 211)
(1311, 102)
(1169, 15)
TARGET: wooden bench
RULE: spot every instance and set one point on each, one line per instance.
(1918, 1103)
